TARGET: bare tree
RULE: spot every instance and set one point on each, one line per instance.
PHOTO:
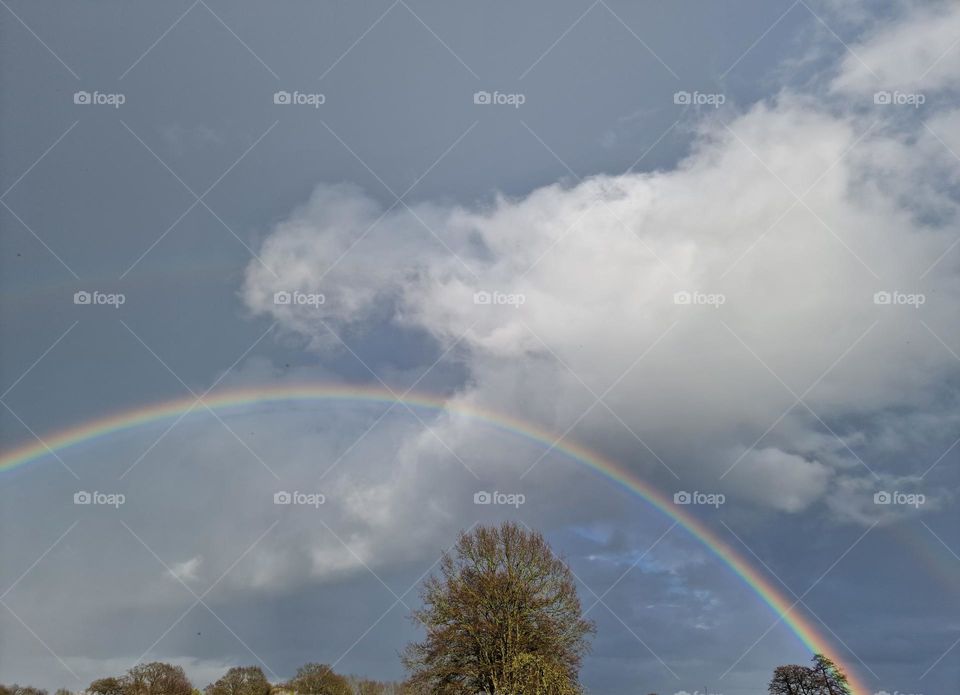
(828, 677)
(240, 680)
(157, 678)
(318, 679)
(792, 679)
(107, 686)
(366, 686)
(503, 617)
(21, 690)
(824, 678)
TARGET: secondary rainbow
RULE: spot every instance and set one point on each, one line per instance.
(231, 399)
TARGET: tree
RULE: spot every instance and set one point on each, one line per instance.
(157, 678)
(792, 679)
(537, 674)
(365, 686)
(318, 679)
(828, 677)
(503, 617)
(825, 678)
(107, 686)
(241, 680)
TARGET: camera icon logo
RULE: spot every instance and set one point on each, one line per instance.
(482, 97)
(282, 297)
(882, 297)
(282, 497)
(81, 297)
(281, 97)
(82, 497)
(81, 97)
(883, 97)
(482, 297)
(482, 497)
(681, 497)
(882, 497)
(682, 297)
(682, 98)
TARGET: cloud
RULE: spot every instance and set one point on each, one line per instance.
(187, 571)
(915, 53)
(783, 481)
(736, 301)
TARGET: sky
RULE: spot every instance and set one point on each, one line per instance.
(713, 244)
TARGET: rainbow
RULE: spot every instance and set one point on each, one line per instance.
(232, 399)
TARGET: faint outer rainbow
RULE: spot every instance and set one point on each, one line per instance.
(781, 604)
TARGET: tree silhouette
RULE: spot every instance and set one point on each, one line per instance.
(824, 678)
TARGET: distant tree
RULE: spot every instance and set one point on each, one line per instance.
(365, 686)
(28, 690)
(791, 679)
(107, 686)
(828, 677)
(318, 679)
(156, 678)
(502, 617)
(240, 680)
(16, 689)
(824, 678)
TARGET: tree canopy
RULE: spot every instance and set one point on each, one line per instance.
(823, 678)
(502, 617)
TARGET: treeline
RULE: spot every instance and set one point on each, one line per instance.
(158, 678)
(501, 616)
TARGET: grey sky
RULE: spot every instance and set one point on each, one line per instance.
(105, 199)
